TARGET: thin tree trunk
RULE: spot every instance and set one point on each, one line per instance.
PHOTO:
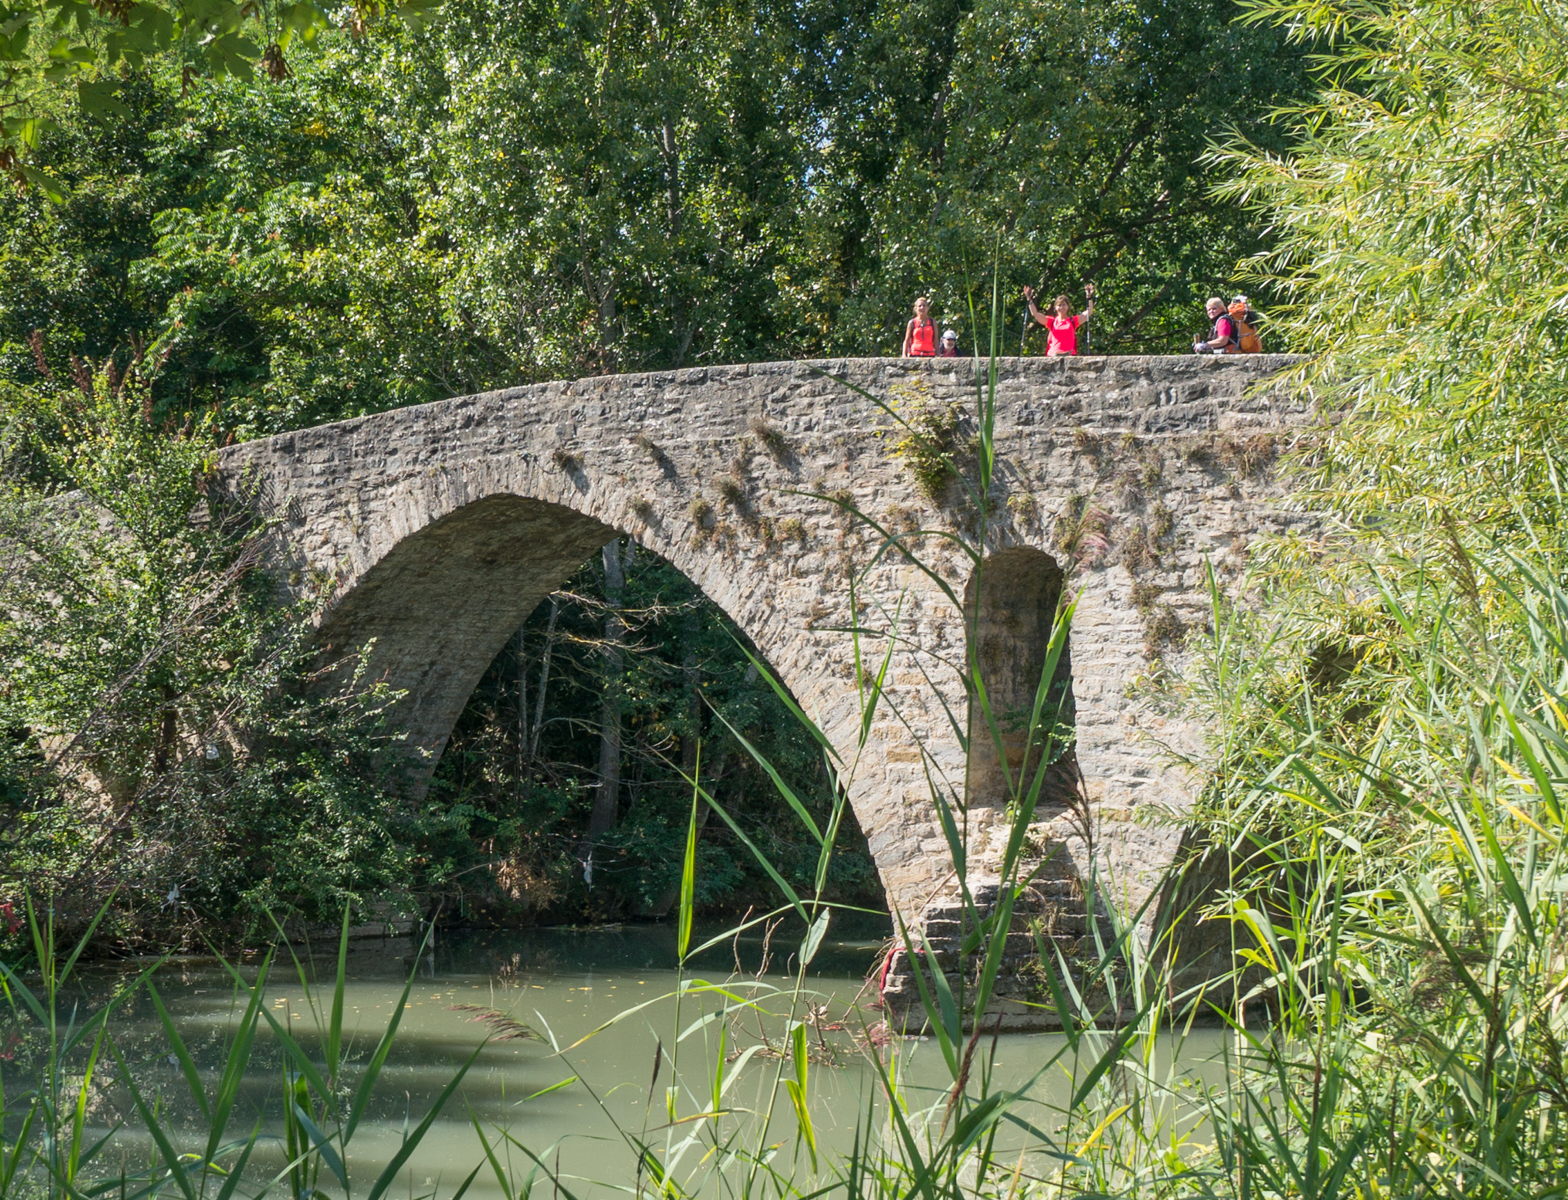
(544, 680)
(606, 800)
(522, 704)
(168, 734)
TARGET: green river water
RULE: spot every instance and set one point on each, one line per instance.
(567, 982)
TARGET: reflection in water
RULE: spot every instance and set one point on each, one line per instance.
(566, 985)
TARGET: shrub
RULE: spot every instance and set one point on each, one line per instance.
(928, 440)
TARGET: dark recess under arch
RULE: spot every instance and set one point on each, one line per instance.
(1019, 589)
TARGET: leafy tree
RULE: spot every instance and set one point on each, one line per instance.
(159, 748)
(1062, 144)
(266, 240)
(1420, 232)
(670, 184)
(51, 47)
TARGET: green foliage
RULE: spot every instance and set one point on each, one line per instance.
(671, 186)
(54, 49)
(1420, 248)
(160, 745)
(1052, 144)
(927, 443)
(1384, 775)
(516, 787)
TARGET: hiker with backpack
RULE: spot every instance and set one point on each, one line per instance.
(1061, 327)
(920, 333)
(1235, 328)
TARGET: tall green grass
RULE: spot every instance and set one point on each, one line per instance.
(53, 1145)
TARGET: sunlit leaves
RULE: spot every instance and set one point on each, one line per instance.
(1421, 237)
(87, 42)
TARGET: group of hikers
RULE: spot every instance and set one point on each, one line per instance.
(1233, 328)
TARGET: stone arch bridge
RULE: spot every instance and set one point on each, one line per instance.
(440, 528)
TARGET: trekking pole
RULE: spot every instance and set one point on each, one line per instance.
(1024, 332)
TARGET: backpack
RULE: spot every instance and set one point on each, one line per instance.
(1246, 323)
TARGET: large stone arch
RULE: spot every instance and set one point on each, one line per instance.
(437, 528)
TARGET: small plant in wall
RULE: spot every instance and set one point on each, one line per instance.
(928, 442)
(843, 501)
(732, 492)
(564, 459)
(1083, 531)
(1162, 522)
(700, 511)
(902, 518)
(770, 437)
(1138, 552)
(1024, 507)
(1248, 456)
(1161, 628)
(1145, 594)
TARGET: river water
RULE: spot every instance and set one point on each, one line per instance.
(564, 984)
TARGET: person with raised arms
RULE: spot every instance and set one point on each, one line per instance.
(1062, 325)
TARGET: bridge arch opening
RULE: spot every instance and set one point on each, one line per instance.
(560, 677)
(1011, 603)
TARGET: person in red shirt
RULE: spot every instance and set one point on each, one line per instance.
(1222, 339)
(920, 333)
(1061, 328)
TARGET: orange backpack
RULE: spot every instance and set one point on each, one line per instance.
(1246, 322)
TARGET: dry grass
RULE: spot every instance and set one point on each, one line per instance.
(1161, 628)
(732, 491)
(1248, 457)
(1145, 594)
(1138, 552)
(770, 437)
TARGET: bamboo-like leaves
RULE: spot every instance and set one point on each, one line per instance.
(688, 898)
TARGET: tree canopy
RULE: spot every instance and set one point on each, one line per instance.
(532, 189)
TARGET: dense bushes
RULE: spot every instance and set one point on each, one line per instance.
(159, 745)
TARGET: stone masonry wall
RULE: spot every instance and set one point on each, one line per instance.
(438, 528)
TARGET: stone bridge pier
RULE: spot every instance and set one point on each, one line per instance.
(437, 529)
